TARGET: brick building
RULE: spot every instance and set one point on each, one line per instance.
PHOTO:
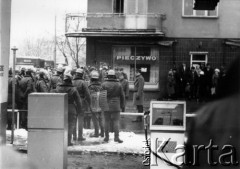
(156, 35)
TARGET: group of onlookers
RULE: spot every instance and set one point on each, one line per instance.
(200, 82)
(87, 89)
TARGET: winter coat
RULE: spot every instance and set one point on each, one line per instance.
(10, 82)
(43, 86)
(115, 95)
(208, 74)
(55, 81)
(27, 86)
(171, 85)
(95, 86)
(125, 86)
(74, 100)
(184, 75)
(138, 95)
(83, 91)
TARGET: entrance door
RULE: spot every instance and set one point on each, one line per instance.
(198, 58)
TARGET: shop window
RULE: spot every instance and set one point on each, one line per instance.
(198, 58)
(118, 6)
(188, 10)
(131, 58)
(145, 69)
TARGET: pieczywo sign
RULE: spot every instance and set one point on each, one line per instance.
(138, 58)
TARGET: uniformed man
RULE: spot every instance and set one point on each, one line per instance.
(83, 91)
(95, 86)
(27, 85)
(43, 84)
(74, 103)
(57, 78)
(115, 99)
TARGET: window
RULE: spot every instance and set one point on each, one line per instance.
(145, 58)
(118, 6)
(198, 58)
(188, 10)
(136, 6)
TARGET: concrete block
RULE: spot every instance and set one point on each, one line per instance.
(48, 148)
(47, 111)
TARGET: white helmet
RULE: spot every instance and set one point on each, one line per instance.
(94, 75)
(111, 72)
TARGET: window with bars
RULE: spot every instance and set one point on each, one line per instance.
(188, 10)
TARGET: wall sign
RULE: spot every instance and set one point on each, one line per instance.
(138, 58)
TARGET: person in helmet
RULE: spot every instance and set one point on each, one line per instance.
(94, 87)
(82, 89)
(74, 102)
(43, 84)
(57, 78)
(27, 86)
(115, 99)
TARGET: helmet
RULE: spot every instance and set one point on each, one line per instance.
(79, 70)
(33, 69)
(60, 69)
(29, 70)
(94, 75)
(67, 75)
(111, 72)
(217, 70)
(42, 71)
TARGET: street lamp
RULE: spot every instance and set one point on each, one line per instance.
(14, 49)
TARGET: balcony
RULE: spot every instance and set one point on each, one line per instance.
(104, 24)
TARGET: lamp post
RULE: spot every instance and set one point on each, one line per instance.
(14, 49)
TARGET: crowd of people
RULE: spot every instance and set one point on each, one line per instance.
(200, 82)
(85, 88)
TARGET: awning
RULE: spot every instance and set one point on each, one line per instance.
(167, 43)
(117, 33)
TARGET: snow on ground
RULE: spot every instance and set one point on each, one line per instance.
(132, 143)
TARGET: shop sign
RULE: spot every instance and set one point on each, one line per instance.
(25, 61)
(138, 58)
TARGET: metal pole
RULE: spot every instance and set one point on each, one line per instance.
(55, 40)
(14, 49)
(135, 63)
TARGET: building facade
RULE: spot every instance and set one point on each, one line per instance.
(157, 35)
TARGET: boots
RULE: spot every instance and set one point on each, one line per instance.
(80, 129)
(118, 140)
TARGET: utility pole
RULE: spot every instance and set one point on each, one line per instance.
(14, 49)
(55, 40)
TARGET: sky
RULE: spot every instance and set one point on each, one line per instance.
(35, 18)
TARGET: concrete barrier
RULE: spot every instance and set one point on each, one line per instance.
(47, 130)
